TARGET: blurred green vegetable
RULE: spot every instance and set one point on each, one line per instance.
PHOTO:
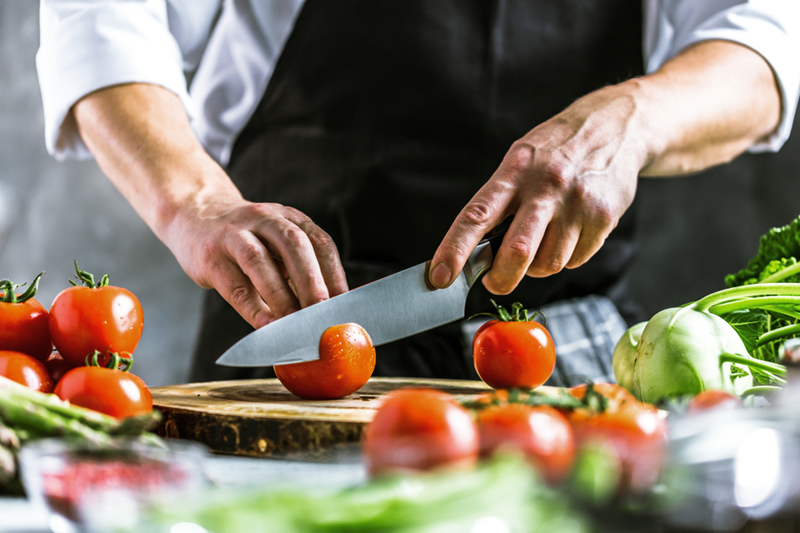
(503, 494)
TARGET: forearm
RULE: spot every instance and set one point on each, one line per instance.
(704, 107)
(141, 138)
(265, 259)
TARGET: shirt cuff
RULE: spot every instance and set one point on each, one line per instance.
(95, 47)
(771, 37)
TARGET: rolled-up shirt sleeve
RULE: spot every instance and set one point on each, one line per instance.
(769, 27)
(89, 45)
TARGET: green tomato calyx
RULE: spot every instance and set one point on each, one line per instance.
(87, 280)
(8, 288)
(518, 313)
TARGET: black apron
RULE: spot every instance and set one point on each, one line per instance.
(384, 117)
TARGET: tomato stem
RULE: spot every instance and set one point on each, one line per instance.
(9, 290)
(116, 361)
(518, 313)
(87, 279)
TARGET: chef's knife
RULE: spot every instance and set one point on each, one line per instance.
(389, 309)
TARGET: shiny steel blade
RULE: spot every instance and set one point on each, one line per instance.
(389, 309)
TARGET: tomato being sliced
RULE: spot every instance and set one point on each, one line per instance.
(419, 429)
(346, 362)
(94, 316)
(513, 351)
(25, 369)
(542, 433)
(113, 392)
(23, 321)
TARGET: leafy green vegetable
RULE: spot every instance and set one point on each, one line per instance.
(686, 350)
(720, 340)
(778, 249)
(504, 490)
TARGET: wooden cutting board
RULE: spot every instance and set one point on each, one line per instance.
(261, 418)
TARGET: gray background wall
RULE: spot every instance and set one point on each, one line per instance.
(694, 230)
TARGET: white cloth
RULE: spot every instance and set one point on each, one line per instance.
(229, 48)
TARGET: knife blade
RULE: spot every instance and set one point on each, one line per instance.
(389, 309)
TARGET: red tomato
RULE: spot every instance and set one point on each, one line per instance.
(345, 364)
(113, 392)
(419, 429)
(542, 433)
(23, 322)
(617, 396)
(94, 317)
(714, 399)
(26, 370)
(513, 354)
(56, 366)
(635, 431)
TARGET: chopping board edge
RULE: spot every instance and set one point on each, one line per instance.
(256, 437)
(260, 418)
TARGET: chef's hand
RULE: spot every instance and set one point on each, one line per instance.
(266, 260)
(569, 180)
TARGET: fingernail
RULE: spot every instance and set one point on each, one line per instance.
(440, 275)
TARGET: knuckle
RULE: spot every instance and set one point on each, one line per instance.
(546, 268)
(250, 253)
(520, 249)
(477, 213)
(322, 240)
(239, 297)
(556, 177)
(521, 156)
(294, 214)
(292, 235)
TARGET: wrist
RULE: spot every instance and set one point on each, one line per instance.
(646, 130)
(188, 191)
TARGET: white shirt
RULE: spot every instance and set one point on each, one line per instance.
(229, 49)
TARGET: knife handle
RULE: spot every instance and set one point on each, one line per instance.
(480, 260)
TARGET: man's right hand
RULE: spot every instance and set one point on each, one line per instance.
(266, 260)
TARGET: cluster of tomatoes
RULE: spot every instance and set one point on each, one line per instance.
(420, 429)
(80, 349)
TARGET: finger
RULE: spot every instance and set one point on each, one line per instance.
(556, 248)
(485, 211)
(326, 252)
(236, 288)
(589, 242)
(517, 251)
(298, 256)
(263, 274)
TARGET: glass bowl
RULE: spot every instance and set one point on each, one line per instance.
(88, 486)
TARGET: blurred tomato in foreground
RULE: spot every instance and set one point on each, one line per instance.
(542, 433)
(419, 429)
(713, 400)
(635, 431)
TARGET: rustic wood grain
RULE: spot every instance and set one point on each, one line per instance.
(261, 418)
